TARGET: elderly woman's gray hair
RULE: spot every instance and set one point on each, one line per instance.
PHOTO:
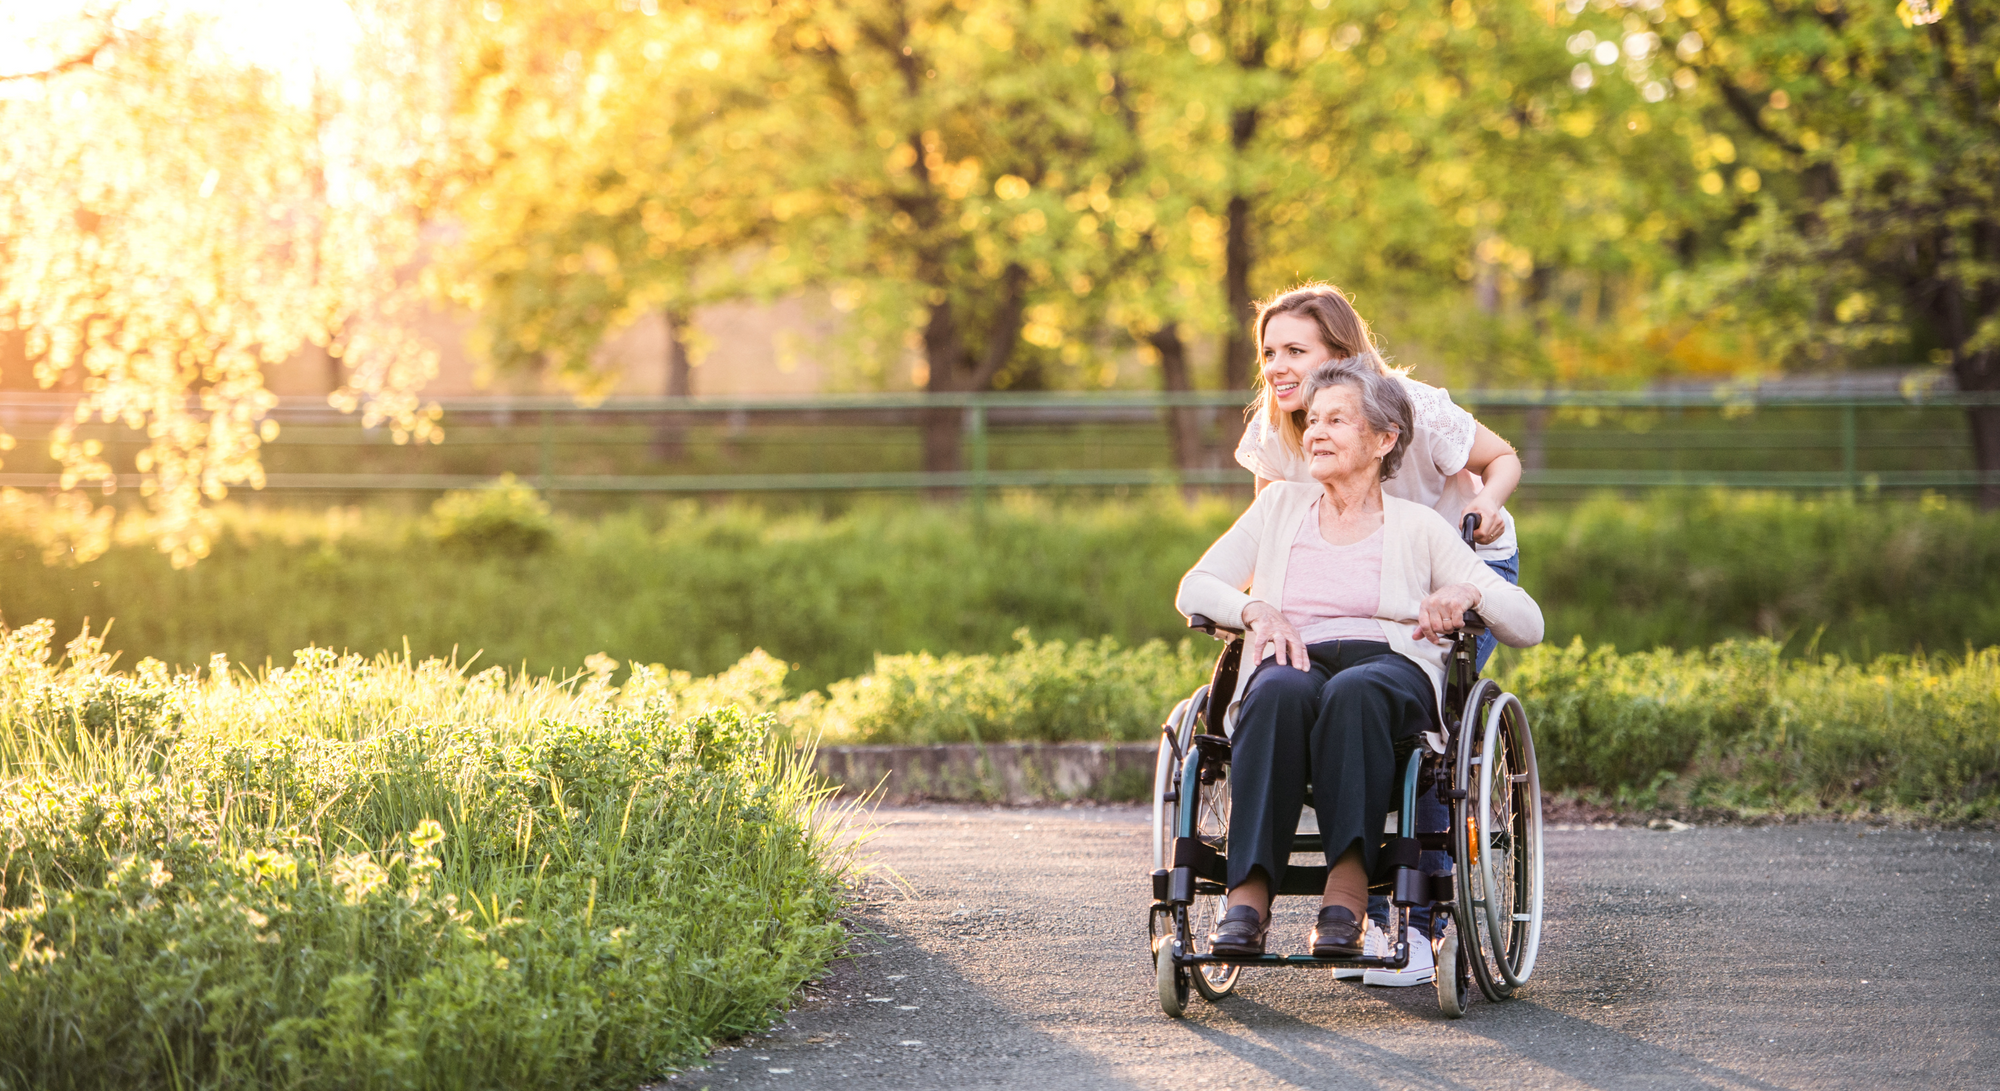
(1383, 402)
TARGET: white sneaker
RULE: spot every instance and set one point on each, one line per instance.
(1420, 971)
(1374, 944)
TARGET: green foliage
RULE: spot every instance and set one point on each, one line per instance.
(506, 517)
(390, 875)
(1045, 692)
(700, 590)
(1830, 574)
(1864, 170)
(1739, 725)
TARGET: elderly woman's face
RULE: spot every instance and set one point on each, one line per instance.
(1292, 348)
(1339, 444)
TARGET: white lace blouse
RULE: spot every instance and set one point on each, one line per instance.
(1433, 472)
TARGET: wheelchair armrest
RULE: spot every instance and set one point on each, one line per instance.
(1220, 632)
(1473, 622)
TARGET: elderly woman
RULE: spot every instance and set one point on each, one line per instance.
(1352, 595)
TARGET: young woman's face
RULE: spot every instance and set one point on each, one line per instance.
(1292, 348)
(1339, 444)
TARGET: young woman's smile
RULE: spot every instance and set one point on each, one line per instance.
(1292, 347)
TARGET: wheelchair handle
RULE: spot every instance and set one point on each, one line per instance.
(1468, 527)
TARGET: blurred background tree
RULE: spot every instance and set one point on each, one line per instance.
(1859, 146)
(178, 213)
(995, 194)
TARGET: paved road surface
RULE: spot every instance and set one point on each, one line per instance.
(1012, 954)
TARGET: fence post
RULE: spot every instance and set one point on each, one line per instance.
(975, 437)
(1848, 442)
(547, 453)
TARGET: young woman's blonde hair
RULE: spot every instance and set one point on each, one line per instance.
(1341, 328)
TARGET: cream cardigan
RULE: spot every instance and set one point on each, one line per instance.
(1420, 553)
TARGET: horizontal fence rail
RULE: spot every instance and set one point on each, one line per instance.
(1570, 441)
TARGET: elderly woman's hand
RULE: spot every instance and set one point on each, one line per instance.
(1265, 625)
(1443, 611)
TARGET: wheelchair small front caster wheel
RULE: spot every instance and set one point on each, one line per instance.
(1174, 980)
(1450, 977)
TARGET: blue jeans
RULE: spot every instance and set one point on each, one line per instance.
(1432, 817)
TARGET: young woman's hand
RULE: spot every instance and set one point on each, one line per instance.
(1264, 625)
(1491, 523)
(1443, 611)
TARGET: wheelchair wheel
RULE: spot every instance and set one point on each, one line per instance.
(1499, 843)
(1453, 978)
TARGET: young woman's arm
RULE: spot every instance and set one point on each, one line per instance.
(1499, 467)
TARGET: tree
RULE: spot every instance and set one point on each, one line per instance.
(173, 219)
(602, 180)
(1861, 146)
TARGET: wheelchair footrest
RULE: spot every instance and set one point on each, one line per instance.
(1294, 960)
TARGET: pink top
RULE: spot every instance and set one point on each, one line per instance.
(1333, 592)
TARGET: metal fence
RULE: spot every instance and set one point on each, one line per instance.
(1571, 441)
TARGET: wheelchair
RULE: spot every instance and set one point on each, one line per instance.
(1487, 779)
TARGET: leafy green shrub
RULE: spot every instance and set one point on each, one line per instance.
(1740, 725)
(388, 874)
(1686, 570)
(1045, 692)
(699, 589)
(506, 517)
(1737, 724)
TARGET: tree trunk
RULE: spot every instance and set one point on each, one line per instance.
(944, 428)
(1979, 373)
(1183, 429)
(953, 368)
(1534, 455)
(670, 437)
(1237, 349)
(1985, 421)
(1238, 353)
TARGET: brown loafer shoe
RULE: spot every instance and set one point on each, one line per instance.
(1337, 934)
(1240, 933)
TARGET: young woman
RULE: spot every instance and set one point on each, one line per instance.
(1455, 466)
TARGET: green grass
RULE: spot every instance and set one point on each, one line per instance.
(697, 588)
(392, 873)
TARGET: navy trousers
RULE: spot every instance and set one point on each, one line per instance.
(1337, 728)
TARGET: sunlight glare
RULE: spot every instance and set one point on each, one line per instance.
(291, 38)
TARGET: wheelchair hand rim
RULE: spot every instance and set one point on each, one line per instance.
(1513, 970)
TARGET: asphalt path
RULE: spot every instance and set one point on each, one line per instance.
(1007, 948)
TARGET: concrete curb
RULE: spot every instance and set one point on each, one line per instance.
(993, 773)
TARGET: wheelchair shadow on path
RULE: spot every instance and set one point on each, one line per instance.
(1568, 1051)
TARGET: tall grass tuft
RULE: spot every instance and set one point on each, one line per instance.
(355, 873)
